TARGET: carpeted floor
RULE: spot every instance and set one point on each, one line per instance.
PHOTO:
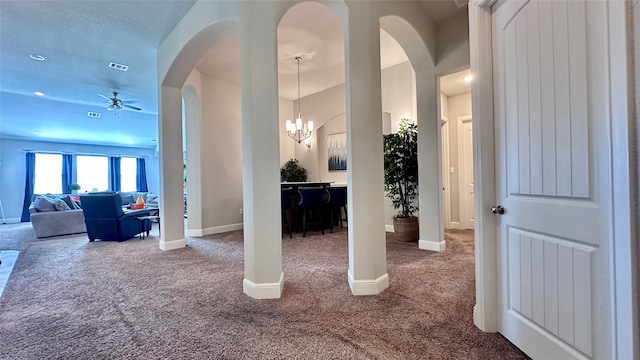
(71, 299)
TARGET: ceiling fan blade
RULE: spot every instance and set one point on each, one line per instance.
(132, 107)
(108, 98)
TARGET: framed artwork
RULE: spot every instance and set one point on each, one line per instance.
(337, 146)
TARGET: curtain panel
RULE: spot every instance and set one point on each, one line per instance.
(141, 175)
(29, 184)
(67, 169)
(114, 173)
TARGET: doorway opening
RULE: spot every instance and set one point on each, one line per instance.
(457, 150)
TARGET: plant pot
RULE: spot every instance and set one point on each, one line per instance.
(406, 229)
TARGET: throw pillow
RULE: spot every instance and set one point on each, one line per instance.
(60, 205)
(43, 204)
(151, 198)
(67, 199)
(73, 205)
(127, 199)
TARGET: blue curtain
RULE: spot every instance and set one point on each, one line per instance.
(67, 168)
(114, 173)
(30, 165)
(141, 176)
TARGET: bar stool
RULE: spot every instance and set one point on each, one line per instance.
(338, 202)
(313, 202)
(285, 201)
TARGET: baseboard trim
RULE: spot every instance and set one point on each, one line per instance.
(11, 220)
(263, 290)
(389, 228)
(432, 245)
(173, 244)
(454, 225)
(368, 287)
(214, 230)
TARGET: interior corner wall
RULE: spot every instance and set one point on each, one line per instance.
(398, 93)
(287, 149)
(221, 153)
(12, 167)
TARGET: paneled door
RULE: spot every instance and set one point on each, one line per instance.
(553, 177)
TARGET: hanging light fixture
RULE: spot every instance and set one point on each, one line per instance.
(299, 131)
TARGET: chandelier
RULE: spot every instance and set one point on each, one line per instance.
(299, 131)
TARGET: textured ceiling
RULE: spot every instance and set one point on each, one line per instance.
(80, 38)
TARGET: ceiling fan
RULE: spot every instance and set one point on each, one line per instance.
(118, 104)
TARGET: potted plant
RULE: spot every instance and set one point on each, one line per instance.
(401, 178)
(74, 188)
(291, 171)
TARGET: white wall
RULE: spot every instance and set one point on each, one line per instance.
(221, 153)
(12, 167)
(398, 93)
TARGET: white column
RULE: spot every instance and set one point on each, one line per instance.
(367, 245)
(260, 151)
(431, 217)
(171, 193)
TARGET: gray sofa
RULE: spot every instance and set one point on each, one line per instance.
(48, 221)
(55, 222)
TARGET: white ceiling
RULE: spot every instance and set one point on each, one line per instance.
(80, 38)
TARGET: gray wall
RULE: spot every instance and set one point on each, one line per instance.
(12, 167)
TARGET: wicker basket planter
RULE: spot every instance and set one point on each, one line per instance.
(406, 229)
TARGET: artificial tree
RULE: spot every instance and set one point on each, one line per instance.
(401, 177)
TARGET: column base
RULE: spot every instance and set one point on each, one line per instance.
(173, 244)
(432, 245)
(368, 287)
(263, 290)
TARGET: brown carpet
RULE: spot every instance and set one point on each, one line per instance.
(71, 299)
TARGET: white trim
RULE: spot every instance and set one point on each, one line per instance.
(214, 230)
(432, 245)
(368, 287)
(446, 165)
(263, 290)
(12, 220)
(463, 211)
(172, 245)
(625, 228)
(389, 228)
(455, 225)
(486, 314)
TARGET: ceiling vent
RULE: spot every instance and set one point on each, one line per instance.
(94, 114)
(118, 66)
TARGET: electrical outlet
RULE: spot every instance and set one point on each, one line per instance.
(240, 211)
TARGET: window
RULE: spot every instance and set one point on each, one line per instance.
(93, 172)
(128, 172)
(48, 174)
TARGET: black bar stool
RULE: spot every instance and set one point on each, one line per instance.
(337, 203)
(285, 200)
(313, 202)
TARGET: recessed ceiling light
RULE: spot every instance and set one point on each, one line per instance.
(36, 57)
(38, 93)
(467, 78)
(37, 132)
(153, 140)
(131, 141)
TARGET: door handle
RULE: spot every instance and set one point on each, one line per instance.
(498, 209)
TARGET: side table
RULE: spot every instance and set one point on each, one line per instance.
(154, 218)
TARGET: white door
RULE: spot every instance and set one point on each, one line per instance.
(553, 177)
(466, 171)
